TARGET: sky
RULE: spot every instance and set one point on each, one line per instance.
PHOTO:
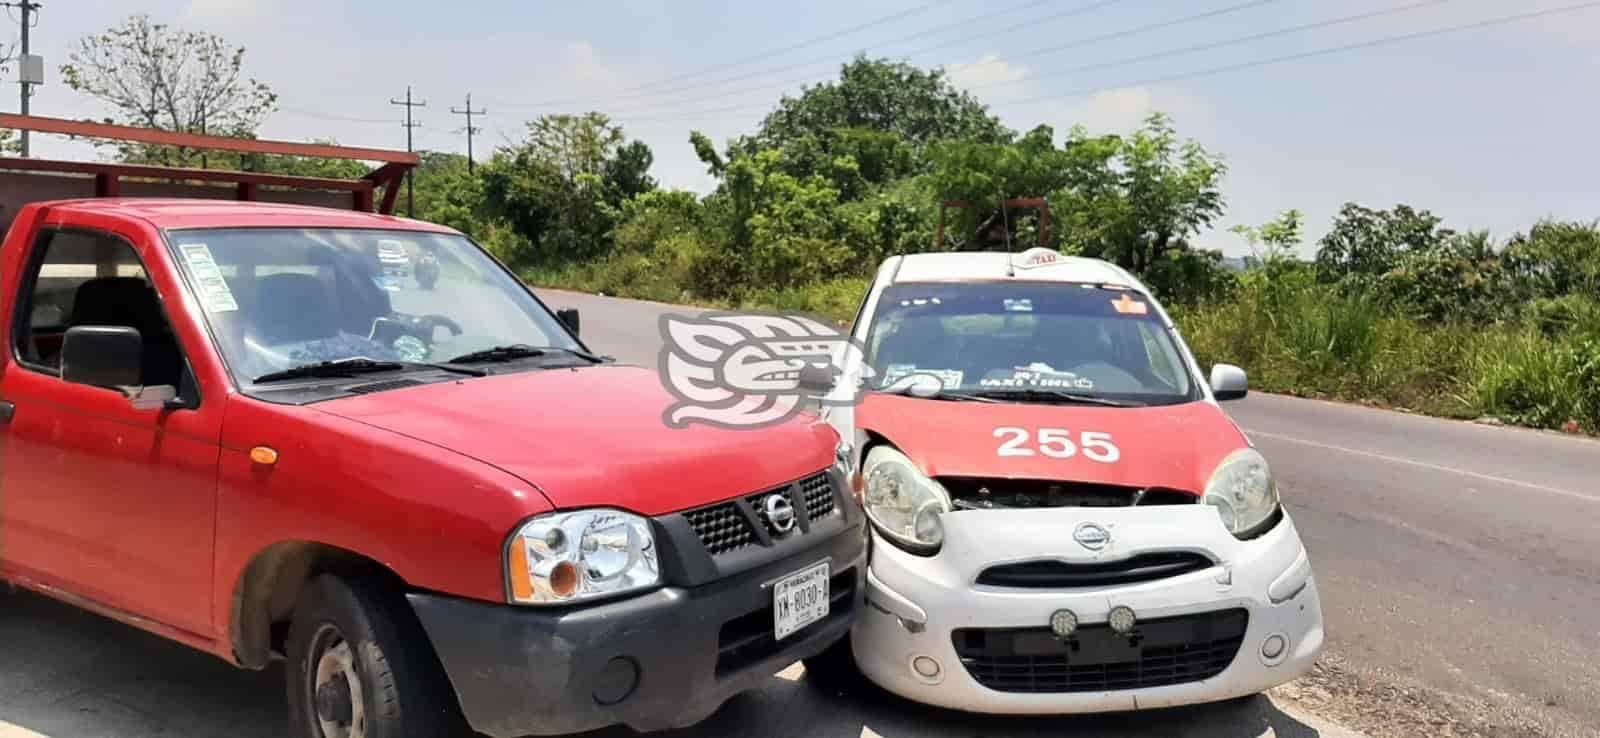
(1493, 127)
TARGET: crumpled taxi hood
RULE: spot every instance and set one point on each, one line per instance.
(1172, 446)
(594, 436)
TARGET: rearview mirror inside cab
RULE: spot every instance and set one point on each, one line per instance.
(1228, 382)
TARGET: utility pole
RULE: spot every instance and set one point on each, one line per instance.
(410, 125)
(469, 112)
(25, 62)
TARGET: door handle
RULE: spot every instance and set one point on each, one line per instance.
(7, 409)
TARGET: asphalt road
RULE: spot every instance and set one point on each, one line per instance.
(1459, 564)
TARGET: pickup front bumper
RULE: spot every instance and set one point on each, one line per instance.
(662, 660)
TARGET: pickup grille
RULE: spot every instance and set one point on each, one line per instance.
(1050, 574)
(730, 526)
(721, 528)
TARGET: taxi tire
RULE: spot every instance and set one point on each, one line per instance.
(407, 693)
(834, 671)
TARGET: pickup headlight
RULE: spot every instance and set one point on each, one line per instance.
(566, 557)
(902, 502)
(1243, 492)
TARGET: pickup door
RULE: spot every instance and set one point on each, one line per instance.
(100, 501)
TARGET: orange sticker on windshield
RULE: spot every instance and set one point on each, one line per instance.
(1129, 306)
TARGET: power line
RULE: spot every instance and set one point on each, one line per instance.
(339, 118)
(996, 60)
(1215, 44)
(410, 126)
(833, 58)
(469, 112)
(757, 57)
(1211, 71)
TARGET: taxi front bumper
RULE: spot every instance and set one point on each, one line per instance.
(932, 633)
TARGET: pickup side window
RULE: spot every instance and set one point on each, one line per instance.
(84, 278)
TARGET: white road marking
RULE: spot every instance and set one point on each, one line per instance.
(1426, 465)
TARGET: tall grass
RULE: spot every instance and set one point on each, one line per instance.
(1313, 340)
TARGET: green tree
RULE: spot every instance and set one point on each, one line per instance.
(1275, 240)
(1367, 243)
(918, 105)
(157, 76)
(562, 188)
(1557, 258)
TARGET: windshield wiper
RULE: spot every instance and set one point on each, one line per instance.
(1050, 395)
(912, 390)
(357, 365)
(518, 351)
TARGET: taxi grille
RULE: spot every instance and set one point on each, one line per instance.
(730, 526)
(1063, 575)
(1159, 653)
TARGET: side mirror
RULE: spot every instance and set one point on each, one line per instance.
(102, 356)
(817, 379)
(1228, 382)
(569, 318)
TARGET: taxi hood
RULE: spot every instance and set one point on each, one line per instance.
(1171, 446)
(594, 436)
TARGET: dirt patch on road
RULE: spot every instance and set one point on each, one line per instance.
(1382, 706)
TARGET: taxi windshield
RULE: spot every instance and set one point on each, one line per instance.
(282, 298)
(1028, 339)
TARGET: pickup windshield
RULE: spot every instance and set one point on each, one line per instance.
(1029, 342)
(281, 298)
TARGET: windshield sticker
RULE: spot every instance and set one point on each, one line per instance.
(1039, 376)
(1023, 305)
(1129, 306)
(948, 378)
(215, 296)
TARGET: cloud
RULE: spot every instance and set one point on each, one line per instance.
(988, 71)
(227, 13)
(1122, 110)
(584, 73)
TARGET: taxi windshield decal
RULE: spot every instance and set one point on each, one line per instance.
(948, 378)
(1037, 376)
(1129, 306)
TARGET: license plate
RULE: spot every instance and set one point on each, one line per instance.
(799, 599)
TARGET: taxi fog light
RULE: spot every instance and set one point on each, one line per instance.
(927, 669)
(1122, 619)
(1274, 648)
(1063, 623)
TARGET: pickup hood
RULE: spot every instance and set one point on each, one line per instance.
(594, 436)
(1174, 446)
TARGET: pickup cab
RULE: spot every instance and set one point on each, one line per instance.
(227, 423)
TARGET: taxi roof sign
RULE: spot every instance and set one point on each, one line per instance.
(1036, 257)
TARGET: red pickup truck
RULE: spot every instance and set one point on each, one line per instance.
(249, 428)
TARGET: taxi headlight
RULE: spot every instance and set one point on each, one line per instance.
(1243, 492)
(902, 502)
(566, 557)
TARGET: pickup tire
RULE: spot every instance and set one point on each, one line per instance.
(360, 666)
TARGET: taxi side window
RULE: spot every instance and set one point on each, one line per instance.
(82, 278)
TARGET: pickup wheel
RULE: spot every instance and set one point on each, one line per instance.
(359, 666)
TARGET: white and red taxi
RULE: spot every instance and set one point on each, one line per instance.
(1064, 520)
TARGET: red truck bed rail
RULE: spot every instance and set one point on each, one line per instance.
(109, 177)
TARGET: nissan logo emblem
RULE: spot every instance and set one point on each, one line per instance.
(1091, 536)
(779, 512)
